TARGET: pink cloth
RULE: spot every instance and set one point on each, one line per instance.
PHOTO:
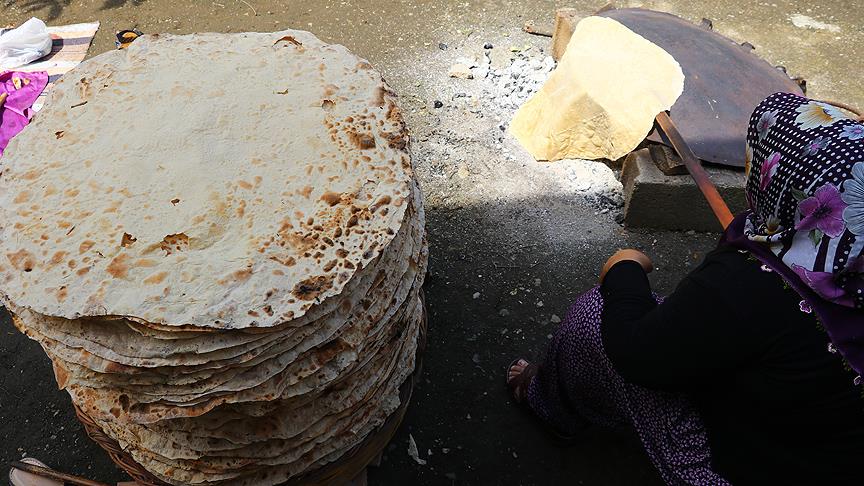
(15, 113)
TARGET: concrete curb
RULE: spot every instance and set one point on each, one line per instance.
(655, 200)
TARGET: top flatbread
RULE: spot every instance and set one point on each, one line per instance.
(205, 180)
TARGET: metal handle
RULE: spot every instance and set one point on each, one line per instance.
(697, 172)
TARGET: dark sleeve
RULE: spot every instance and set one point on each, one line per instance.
(698, 332)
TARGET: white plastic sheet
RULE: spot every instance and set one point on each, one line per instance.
(24, 44)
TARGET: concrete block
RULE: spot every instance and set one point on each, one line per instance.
(655, 200)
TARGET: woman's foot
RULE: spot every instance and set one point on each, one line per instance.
(519, 375)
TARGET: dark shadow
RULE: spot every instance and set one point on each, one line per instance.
(49, 10)
(513, 255)
(109, 4)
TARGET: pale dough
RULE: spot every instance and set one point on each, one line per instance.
(601, 101)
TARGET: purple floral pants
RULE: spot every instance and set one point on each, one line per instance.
(577, 382)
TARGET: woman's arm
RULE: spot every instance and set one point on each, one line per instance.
(627, 254)
(697, 333)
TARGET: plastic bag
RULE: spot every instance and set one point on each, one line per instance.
(24, 45)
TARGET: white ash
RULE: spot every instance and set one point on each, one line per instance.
(467, 151)
(507, 82)
(593, 180)
(513, 85)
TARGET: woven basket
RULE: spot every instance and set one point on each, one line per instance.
(349, 466)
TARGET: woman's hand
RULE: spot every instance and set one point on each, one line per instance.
(627, 254)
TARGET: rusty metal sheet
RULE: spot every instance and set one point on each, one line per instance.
(723, 83)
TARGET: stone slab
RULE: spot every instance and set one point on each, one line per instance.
(655, 200)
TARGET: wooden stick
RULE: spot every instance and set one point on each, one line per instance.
(697, 172)
(531, 29)
(50, 473)
(565, 23)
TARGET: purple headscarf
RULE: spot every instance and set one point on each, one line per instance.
(805, 188)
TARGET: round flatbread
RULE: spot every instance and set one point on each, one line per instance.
(247, 191)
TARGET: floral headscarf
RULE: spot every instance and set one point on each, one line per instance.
(805, 189)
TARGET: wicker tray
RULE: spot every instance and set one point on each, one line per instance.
(349, 466)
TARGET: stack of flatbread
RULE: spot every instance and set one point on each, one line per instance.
(219, 242)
